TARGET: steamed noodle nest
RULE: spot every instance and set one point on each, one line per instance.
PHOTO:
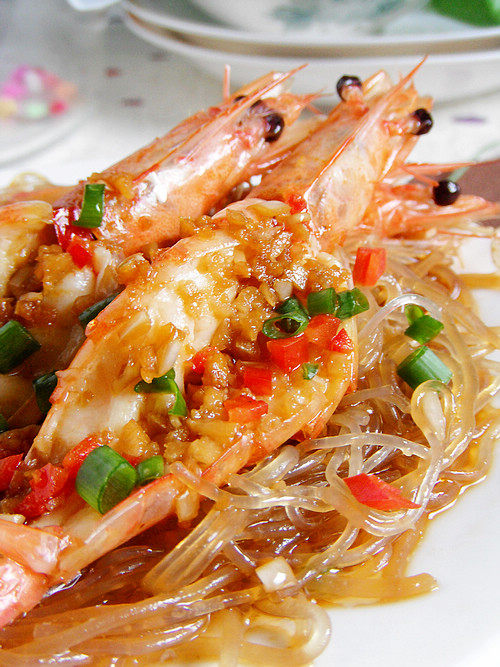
(286, 535)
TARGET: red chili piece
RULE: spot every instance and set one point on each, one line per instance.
(244, 409)
(288, 353)
(46, 483)
(76, 456)
(322, 329)
(258, 379)
(369, 265)
(372, 491)
(80, 252)
(72, 239)
(8, 467)
(297, 203)
(341, 342)
(200, 359)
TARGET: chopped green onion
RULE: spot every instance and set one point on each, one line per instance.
(413, 312)
(291, 325)
(16, 345)
(105, 478)
(424, 329)
(421, 365)
(93, 311)
(4, 426)
(292, 320)
(44, 386)
(150, 469)
(350, 303)
(309, 370)
(92, 206)
(321, 302)
(165, 384)
(291, 305)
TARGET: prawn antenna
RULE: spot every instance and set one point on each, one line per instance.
(226, 84)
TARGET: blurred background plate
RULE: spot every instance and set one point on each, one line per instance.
(445, 76)
(421, 29)
(20, 138)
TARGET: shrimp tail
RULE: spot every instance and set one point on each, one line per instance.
(20, 590)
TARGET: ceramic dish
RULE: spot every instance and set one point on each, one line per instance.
(445, 76)
(280, 16)
(425, 30)
(457, 625)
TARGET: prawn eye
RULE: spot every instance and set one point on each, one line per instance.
(345, 82)
(239, 97)
(424, 119)
(446, 193)
(274, 126)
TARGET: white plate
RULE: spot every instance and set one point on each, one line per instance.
(456, 626)
(425, 30)
(445, 76)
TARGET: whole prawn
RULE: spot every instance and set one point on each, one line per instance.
(226, 278)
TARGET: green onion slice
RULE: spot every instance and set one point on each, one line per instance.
(292, 320)
(44, 386)
(309, 370)
(165, 384)
(324, 301)
(424, 329)
(92, 206)
(291, 305)
(421, 365)
(93, 311)
(16, 345)
(105, 478)
(150, 469)
(350, 303)
(413, 312)
(4, 426)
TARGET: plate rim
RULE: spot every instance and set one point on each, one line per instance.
(162, 19)
(179, 45)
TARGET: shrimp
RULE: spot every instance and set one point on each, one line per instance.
(409, 208)
(187, 171)
(30, 186)
(23, 227)
(374, 131)
(205, 313)
(198, 293)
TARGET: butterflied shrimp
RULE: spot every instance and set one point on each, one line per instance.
(203, 307)
(30, 186)
(23, 227)
(201, 314)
